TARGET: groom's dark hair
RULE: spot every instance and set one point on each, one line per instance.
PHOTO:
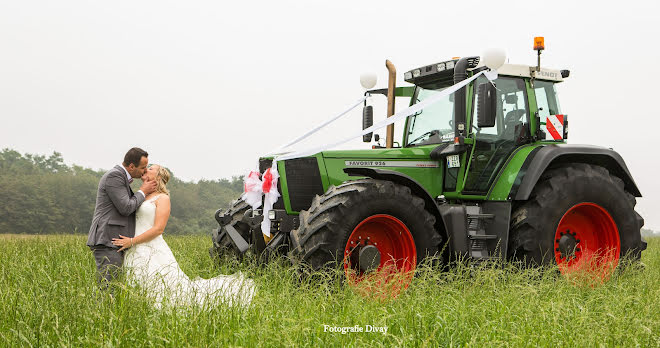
(134, 156)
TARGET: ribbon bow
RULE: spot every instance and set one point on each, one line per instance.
(256, 188)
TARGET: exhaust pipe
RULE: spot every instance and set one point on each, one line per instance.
(389, 141)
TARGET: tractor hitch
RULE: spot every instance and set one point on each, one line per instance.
(281, 225)
(236, 238)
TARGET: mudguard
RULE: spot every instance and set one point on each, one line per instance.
(542, 157)
(405, 180)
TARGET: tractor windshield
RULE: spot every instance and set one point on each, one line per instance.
(435, 123)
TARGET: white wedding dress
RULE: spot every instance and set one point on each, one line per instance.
(152, 266)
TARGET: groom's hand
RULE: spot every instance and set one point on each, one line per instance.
(148, 186)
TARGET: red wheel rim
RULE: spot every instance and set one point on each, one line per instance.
(398, 255)
(587, 240)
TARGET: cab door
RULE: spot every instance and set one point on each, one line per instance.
(492, 146)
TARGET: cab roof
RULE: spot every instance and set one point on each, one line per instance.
(521, 70)
(442, 73)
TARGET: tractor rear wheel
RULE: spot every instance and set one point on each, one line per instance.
(222, 244)
(375, 230)
(580, 217)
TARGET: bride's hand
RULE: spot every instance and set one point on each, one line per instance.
(123, 242)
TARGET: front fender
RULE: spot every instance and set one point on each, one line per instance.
(405, 180)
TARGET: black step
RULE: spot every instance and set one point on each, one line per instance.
(479, 260)
(481, 236)
(481, 216)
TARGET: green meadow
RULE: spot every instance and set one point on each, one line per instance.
(48, 297)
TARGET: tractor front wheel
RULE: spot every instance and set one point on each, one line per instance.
(376, 231)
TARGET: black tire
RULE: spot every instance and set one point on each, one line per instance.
(535, 222)
(326, 226)
(222, 245)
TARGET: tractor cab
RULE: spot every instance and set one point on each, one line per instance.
(521, 107)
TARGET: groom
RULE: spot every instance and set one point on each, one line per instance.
(114, 213)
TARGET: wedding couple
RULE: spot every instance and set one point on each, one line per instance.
(127, 230)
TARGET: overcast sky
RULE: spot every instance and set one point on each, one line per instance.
(208, 86)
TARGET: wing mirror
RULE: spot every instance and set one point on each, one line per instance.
(486, 105)
(368, 81)
(367, 121)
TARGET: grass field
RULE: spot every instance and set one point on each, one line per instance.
(47, 296)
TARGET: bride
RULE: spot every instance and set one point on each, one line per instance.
(150, 263)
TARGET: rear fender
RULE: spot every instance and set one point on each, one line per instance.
(552, 155)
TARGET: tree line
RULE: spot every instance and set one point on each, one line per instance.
(42, 195)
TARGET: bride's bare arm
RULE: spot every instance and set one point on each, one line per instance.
(160, 221)
(162, 214)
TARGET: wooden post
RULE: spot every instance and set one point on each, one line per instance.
(389, 141)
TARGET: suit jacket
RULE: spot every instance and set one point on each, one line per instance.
(114, 213)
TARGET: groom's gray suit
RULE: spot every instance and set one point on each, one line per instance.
(114, 214)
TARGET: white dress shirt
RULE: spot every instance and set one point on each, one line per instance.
(128, 175)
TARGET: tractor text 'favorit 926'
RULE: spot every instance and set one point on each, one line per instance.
(482, 174)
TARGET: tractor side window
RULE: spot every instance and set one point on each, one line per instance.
(492, 146)
(514, 112)
(546, 100)
(511, 112)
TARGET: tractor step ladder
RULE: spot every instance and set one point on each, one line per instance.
(476, 232)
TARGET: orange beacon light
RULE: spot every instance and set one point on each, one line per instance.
(538, 43)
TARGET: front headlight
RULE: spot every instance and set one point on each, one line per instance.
(271, 215)
(416, 73)
(450, 64)
(441, 67)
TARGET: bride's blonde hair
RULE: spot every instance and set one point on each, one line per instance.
(162, 177)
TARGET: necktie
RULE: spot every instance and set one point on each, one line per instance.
(130, 181)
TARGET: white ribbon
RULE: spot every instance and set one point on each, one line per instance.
(257, 187)
(323, 124)
(271, 194)
(390, 120)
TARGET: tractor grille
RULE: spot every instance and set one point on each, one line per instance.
(303, 180)
(264, 164)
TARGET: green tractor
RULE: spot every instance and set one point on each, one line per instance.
(483, 174)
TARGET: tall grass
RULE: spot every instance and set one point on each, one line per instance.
(48, 298)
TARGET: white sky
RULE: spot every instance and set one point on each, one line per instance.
(208, 86)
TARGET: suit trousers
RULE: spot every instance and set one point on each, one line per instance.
(108, 264)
